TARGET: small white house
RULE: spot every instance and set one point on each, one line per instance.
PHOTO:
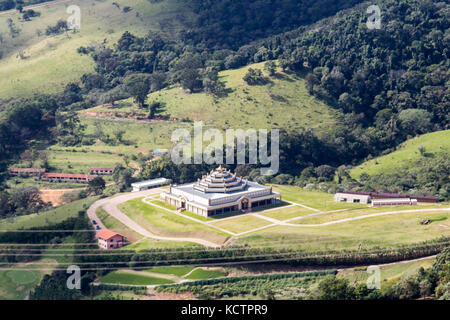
(149, 184)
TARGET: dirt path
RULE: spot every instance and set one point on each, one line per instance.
(110, 206)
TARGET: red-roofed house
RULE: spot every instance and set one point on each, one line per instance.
(108, 239)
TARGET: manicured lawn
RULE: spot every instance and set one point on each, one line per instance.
(387, 272)
(241, 224)
(436, 143)
(17, 283)
(201, 273)
(80, 161)
(287, 213)
(382, 231)
(133, 278)
(162, 222)
(175, 270)
(163, 204)
(333, 216)
(315, 199)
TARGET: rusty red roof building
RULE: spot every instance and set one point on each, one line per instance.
(388, 195)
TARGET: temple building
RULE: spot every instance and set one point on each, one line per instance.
(220, 192)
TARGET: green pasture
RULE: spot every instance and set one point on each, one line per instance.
(46, 218)
(164, 223)
(436, 144)
(50, 62)
(313, 198)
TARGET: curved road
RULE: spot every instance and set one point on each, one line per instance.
(110, 206)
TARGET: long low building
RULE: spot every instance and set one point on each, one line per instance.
(220, 192)
(367, 197)
(149, 184)
(26, 171)
(66, 177)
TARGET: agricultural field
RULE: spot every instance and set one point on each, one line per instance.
(50, 62)
(161, 275)
(141, 136)
(300, 226)
(436, 144)
(253, 287)
(133, 278)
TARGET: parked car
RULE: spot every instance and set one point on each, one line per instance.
(97, 228)
(94, 222)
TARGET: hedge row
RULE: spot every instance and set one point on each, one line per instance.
(272, 276)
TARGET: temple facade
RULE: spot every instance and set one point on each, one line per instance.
(220, 192)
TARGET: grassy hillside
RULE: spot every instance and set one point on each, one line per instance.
(52, 61)
(43, 219)
(436, 144)
(283, 103)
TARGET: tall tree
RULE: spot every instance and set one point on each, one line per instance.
(138, 86)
